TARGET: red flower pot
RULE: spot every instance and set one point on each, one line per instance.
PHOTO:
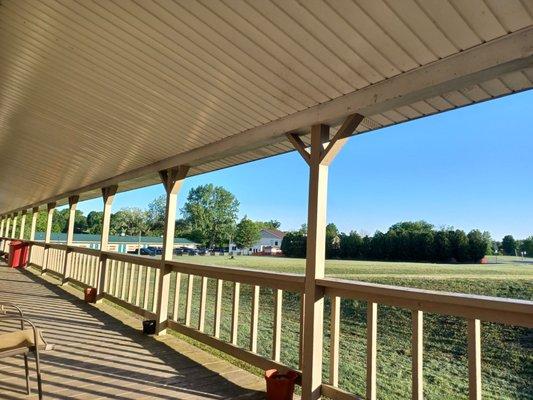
(90, 295)
(280, 386)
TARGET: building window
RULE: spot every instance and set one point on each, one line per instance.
(276, 243)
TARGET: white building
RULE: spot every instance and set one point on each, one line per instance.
(269, 243)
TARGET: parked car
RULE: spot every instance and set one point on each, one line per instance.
(155, 250)
(147, 251)
(179, 251)
(189, 251)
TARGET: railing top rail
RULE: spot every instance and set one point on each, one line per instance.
(133, 258)
(276, 280)
(486, 308)
(84, 250)
(59, 246)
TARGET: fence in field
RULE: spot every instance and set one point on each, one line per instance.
(133, 282)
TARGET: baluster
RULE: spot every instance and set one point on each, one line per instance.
(188, 306)
(302, 319)
(130, 283)
(218, 307)
(156, 288)
(417, 349)
(474, 359)
(146, 288)
(124, 280)
(371, 338)
(117, 279)
(235, 313)
(177, 296)
(97, 268)
(85, 269)
(112, 277)
(255, 319)
(334, 340)
(203, 295)
(278, 304)
(138, 291)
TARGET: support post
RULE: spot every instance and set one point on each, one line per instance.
(35, 214)
(5, 247)
(318, 160)
(50, 208)
(72, 203)
(108, 195)
(172, 180)
(2, 226)
(14, 229)
(22, 224)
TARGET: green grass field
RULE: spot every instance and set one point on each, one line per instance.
(507, 352)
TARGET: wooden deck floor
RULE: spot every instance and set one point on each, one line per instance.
(99, 356)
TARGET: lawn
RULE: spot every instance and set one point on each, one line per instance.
(507, 356)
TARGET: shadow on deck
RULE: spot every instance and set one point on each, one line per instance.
(98, 356)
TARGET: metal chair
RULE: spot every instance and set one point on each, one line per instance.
(22, 342)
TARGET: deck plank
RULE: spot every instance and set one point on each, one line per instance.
(100, 352)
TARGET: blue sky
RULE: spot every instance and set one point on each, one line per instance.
(467, 168)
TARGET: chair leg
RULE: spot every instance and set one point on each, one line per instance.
(28, 388)
(38, 370)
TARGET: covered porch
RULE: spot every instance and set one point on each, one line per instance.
(106, 97)
(99, 352)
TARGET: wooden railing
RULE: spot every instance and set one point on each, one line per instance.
(473, 308)
(132, 282)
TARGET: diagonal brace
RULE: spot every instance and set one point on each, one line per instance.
(346, 130)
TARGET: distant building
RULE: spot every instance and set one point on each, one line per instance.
(121, 244)
(269, 243)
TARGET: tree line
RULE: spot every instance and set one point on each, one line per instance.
(208, 217)
(404, 241)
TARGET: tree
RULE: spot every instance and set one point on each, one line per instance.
(527, 246)
(332, 241)
(94, 222)
(509, 245)
(247, 233)
(477, 245)
(211, 212)
(130, 221)
(272, 224)
(155, 215)
(294, 244)
(458, 245)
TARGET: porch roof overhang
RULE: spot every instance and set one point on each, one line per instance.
(110, 92)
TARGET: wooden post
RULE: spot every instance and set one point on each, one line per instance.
(334, 340)
(72, 203)
(474, 359)
(2, 226)
(371, 350)
(14, 229)
(8, 225)
(172, 180)
(50, 208)
(22, 224)
(108, 195)
(417, 349)
(318, 160)
(35, 214)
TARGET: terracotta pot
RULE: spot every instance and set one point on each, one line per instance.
(280, 386)
(90, 295)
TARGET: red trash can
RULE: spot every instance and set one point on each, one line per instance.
(18, 254)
